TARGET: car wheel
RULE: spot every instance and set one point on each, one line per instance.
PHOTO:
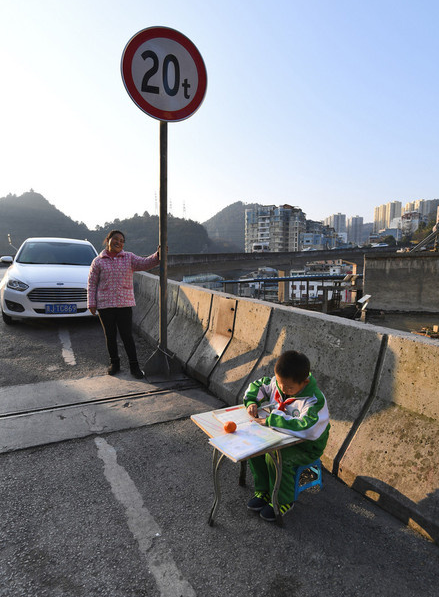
(7, 319)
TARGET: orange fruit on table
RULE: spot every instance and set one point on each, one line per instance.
(229, 426)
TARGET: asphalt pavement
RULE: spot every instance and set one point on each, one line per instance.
(116, 505)
(124, 514)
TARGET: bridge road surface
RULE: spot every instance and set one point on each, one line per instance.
(124, 513)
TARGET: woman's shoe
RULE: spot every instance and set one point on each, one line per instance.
(136, 371)
(114, 368)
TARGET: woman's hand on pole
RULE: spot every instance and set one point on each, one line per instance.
(159, 250)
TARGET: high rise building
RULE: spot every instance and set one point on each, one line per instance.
(425, 207)
(384, 214)
(409, 207)
(393, 210)
(279, 227)
(355, 229)
(336, 221)
(379, 218)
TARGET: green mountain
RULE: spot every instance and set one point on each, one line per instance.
(32, 215)
(228, 225)
(142, 234)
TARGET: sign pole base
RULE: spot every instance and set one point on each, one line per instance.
(163, 366)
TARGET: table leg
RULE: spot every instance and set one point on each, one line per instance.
(217, 459)
(276, 457)
(242, 473)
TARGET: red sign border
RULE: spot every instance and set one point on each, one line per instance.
(127, 57)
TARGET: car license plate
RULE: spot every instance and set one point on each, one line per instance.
(61, 309)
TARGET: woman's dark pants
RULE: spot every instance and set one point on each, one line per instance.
(114, 320)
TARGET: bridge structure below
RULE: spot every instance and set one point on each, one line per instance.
(180, 265)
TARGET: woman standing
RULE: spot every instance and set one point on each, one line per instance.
(110, 292)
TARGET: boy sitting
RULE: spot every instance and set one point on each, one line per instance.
(297, 407)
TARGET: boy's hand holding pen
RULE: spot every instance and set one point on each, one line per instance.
(252, 410)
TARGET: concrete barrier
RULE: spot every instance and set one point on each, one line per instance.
(343, 356)
(216, 339)
(243, 352)
(191, 321)
(393, 457)
(380, 385)
(151, 323)
(146, 292)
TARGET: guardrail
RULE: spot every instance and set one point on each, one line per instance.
(380, 385)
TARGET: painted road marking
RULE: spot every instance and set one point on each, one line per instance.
(143, 526)
(67, 351)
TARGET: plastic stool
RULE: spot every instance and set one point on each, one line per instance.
(316, 468)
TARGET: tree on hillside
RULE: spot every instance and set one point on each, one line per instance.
(142, 234)
(32, 215)
(389, 240)
(424, 230)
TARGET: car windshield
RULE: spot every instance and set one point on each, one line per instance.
(56, 253)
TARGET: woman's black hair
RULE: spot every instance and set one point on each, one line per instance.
(110, 235)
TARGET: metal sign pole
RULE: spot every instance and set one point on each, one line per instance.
(163, 364)
(163, 235)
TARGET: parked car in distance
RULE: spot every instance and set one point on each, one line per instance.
(47, 278)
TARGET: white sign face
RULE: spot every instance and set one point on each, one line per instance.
(164, 73)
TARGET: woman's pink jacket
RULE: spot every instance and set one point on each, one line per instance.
(110, 281)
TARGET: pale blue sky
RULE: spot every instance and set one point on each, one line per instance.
(330, 105)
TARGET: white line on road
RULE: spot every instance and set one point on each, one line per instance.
(143, 526)
(67, 351)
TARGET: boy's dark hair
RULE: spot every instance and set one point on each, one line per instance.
(292, 365)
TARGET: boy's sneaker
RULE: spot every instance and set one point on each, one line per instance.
(267, 513)
(258, 501)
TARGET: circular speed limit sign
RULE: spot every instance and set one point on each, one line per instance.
(164, 73)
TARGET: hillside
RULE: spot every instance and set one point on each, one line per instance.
(32, 215)
(228, 225)
(142, 234)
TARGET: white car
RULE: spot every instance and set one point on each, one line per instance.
(47, 278)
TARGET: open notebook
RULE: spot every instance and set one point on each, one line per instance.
(249, 437)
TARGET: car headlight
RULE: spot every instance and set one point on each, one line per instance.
(17, 285)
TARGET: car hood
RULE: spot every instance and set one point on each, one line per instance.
(49, 274)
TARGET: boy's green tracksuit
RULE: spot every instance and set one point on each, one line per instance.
(305, 416)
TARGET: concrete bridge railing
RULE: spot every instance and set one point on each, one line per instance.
(381, 385)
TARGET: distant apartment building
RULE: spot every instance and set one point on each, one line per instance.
(379, 218)
(393, 210)
(318, 236)
(410, 221)
(390, 215)
(355, 230)
(426, 208)
(336, 221)
(314, 288)
(279, 227)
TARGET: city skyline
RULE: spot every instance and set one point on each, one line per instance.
(310, 104)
